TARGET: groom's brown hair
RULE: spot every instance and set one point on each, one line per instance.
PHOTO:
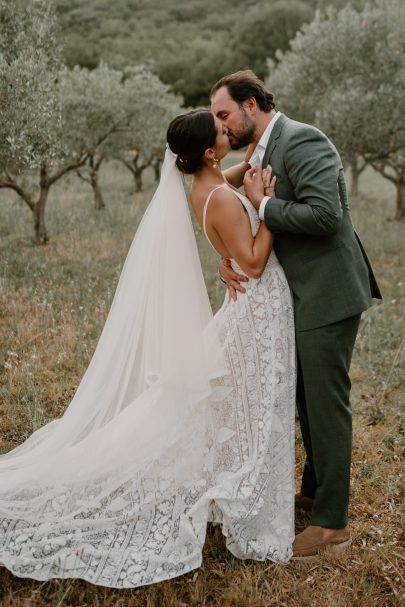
(244, 84)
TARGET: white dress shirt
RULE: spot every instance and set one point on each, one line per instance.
(258, 155)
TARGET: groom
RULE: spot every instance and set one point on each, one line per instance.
(331, 280)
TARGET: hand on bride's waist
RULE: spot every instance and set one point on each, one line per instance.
(233, 276)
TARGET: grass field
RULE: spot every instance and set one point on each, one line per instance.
(53, 302)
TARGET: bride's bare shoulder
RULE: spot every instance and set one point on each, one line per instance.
(199, 193)
(224, 205)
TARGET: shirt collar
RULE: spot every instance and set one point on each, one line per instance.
(264, 139)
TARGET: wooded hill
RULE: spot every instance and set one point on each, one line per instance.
(190, 43)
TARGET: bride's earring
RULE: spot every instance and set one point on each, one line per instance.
(215, 163)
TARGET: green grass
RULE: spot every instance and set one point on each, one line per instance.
(53, 302)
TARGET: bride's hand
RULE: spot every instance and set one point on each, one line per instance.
(269, 182)
(253, 184)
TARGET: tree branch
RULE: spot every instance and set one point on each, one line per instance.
(382, 171)
(129, 165)
(75, 164)
(362, 167)
(102, 138)
(98, 162)
(12, 185)
(79, 174)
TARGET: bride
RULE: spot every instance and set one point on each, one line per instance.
(181, 418)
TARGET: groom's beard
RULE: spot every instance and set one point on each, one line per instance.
(244, 135)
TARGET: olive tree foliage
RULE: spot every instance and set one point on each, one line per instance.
(30, 117)
(150, 105)
(29, 62)
(345, 72)
(339, 4)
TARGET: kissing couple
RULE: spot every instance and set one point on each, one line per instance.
(184, 418)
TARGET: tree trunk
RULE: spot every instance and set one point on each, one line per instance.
(137, 170)
(156, 168)
(355, 171)
(398, 179)
(41, 235)
(98, 197)
(138, 179)
(400, 213)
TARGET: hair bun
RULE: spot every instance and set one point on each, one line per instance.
(188, 136)
(188, 165)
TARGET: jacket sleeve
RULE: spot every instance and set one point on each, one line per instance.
(312, 166)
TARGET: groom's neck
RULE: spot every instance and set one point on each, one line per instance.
(262, 122)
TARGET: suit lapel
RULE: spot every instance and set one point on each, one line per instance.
(272, 143)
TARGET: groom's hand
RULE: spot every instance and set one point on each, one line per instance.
(253, 184)
(232, 279)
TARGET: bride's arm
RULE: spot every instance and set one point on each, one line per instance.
(235, 174)
(227, 217)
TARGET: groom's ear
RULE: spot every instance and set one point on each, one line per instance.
(250, 105)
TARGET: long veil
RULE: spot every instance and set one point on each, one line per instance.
(136, 430)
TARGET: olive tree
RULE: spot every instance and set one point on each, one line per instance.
(150, 107)
(345, 72)
(99, 112)
(91, 110)
(30, 117)
(29, 64)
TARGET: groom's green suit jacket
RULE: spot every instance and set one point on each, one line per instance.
(322, 256)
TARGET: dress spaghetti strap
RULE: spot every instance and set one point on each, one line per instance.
(205, 210)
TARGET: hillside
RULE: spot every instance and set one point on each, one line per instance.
(190, 43)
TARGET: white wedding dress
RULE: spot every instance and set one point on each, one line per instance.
(181, 418)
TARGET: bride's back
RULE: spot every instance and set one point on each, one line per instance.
(216, 206)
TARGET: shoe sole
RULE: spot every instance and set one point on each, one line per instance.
(325, 549)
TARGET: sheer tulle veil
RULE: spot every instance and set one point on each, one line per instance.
(147, 381)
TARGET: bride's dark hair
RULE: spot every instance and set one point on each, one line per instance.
(189, 135)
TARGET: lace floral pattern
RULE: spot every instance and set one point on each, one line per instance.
(137, 531)
(256, 423)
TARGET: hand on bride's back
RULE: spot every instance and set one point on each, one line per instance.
(232, 278)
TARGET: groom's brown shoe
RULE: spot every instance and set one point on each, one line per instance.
(315, 540)
(302, 502)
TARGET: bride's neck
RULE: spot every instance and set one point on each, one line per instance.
(209, 173)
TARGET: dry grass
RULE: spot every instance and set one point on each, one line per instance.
(53, 302)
